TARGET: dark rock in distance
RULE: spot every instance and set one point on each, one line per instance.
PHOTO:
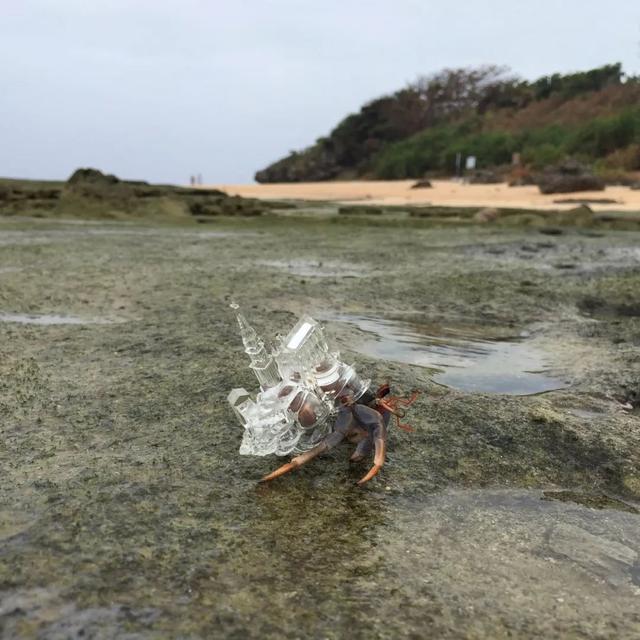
(586, 201)
(360, 210)
(569, 184)
(422, 184)
(93, 176)
(484, 176)
(486, 215)
(525, 180)
(568, 177)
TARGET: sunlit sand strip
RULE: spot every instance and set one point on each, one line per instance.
(443, 193)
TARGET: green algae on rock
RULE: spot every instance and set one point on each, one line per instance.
(89, 193)
(126, 510)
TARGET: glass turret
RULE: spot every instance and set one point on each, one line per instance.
(262, 361)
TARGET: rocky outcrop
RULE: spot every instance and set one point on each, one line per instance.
(422, 184)
(92, 176)
(486, 215)
(90, 193)
(569, 177)
(315, 164)
(484, 176)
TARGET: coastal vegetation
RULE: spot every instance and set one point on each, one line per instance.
(487, 112)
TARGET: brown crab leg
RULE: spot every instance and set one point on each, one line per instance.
(343, 424)
(374, 420)
(363, 449)
(378, 461)
(296, 462)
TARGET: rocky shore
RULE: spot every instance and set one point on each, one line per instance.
(126, 511)
(90, 193)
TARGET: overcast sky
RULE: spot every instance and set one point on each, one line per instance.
(159, 90)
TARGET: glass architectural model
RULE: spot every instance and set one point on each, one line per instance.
(309, 400)
(300, 379)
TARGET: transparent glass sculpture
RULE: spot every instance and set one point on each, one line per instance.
(300, 381)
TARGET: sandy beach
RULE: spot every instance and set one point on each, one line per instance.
(443, 193)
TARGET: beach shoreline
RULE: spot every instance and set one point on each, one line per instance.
(442, 193)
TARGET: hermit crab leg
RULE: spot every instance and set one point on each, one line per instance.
(363, 449)
(296, 462)
(343, 424)
(374, 420)
(380, 440)
(365, 446)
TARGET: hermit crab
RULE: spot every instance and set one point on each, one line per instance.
(310, 401)
(364, 422)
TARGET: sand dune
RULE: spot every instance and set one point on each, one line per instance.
(443, 192)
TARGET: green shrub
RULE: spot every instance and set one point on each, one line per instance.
(544, 155)
(627, 159)
(435, 149)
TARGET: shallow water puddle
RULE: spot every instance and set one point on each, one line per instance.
(50, 319)
(317, 268)
(462, 358)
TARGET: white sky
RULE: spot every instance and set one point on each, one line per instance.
(162, 89)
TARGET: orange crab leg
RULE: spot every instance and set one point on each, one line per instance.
(378, 461)
(343, 428)
(390, 404)
(374, 420)
(296, 462)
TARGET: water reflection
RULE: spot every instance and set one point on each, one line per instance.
(461, 357)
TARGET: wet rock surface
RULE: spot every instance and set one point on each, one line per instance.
(488, 214)
(126, 511)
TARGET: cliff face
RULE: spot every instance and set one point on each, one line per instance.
(482, 112)
(314, 164)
